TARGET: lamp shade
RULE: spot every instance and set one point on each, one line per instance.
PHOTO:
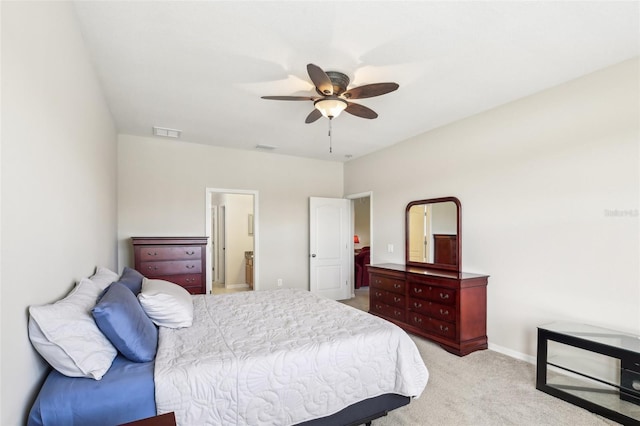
(331, 106)
(356, 240)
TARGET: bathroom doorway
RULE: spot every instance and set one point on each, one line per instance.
(232, 228)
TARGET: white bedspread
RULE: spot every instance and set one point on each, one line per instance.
(279, 357)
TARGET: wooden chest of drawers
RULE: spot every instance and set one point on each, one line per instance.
(449, 308)
(180, 260)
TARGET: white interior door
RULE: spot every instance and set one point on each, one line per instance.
(330, 247)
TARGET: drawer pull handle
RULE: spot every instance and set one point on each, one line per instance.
(189, 280)
(444, 296)
(396, 299)
(397, 313)
(444, 328)
(191, 253)
(418, 320)
(378, 294)
(417, 290)
(397, 285)
(444, 312)
(378, 306)
(152, 268)
(190, 266)
(636, 385)
(417, 304)
(152, 254)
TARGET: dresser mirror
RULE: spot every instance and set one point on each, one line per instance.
(433, 234)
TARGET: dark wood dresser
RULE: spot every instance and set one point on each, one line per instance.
(180, 260)
(447, 307)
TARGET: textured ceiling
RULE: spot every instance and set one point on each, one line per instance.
(202, 66)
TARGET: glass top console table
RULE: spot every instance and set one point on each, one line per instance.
(595, 368)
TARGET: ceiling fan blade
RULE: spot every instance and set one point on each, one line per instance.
(320, 79)
(370, 90)
(361, 111)
(313, 116)
(288, 98)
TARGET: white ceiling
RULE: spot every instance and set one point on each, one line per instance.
(202, 66)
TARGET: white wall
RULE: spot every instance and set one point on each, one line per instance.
(58, 180)
(162, 191)
(535, 178)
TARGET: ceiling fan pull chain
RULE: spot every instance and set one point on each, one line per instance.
(330, 138)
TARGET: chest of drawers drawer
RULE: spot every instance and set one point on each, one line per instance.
(442, 295)
(442, 328)
(191, 282)
(155, 254)
(432, 309)
(387, 297)
(393, 312)
(382, 282)
(170, 267)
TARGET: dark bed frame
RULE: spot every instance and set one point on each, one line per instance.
(363, 412)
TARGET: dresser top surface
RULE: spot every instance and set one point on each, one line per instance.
(427, 271)
(168, 240)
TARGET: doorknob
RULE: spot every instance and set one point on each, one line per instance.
(313, 255)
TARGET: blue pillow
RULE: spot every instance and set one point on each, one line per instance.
(122, 320)
(132, 279)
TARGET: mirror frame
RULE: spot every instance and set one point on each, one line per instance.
(458, 266)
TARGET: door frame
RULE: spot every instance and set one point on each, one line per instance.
(256, 232)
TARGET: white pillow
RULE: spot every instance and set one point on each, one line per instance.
(167, 304)
(103, 277)
(66, 335)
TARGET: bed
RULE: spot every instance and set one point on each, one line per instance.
(278, 357)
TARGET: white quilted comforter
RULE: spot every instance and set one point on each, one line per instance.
(278, 358)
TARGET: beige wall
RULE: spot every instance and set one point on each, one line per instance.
(536, 179)
(162, 191)
(58, 180)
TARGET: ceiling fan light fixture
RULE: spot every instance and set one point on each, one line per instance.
(330, 107)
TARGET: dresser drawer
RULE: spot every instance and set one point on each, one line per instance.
(170, 267)
(441, 295)
(433, 310)
(442, 328)
(152, 254)
(386, 283)
(194, 290)
(191, 282)
(393, 299)
(388, 311)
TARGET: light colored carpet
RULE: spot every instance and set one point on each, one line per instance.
(482, 388)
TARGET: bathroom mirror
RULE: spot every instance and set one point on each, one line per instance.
(433, 236)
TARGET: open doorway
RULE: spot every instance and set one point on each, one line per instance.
(232, 228)
(362, 239)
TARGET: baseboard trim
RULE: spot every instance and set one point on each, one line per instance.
(513, 354)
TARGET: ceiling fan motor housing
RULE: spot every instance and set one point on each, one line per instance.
(340, 82)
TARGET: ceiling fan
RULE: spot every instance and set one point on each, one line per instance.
(334, 97)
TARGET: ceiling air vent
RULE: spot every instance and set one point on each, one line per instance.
(266, 147)
(167, 133)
